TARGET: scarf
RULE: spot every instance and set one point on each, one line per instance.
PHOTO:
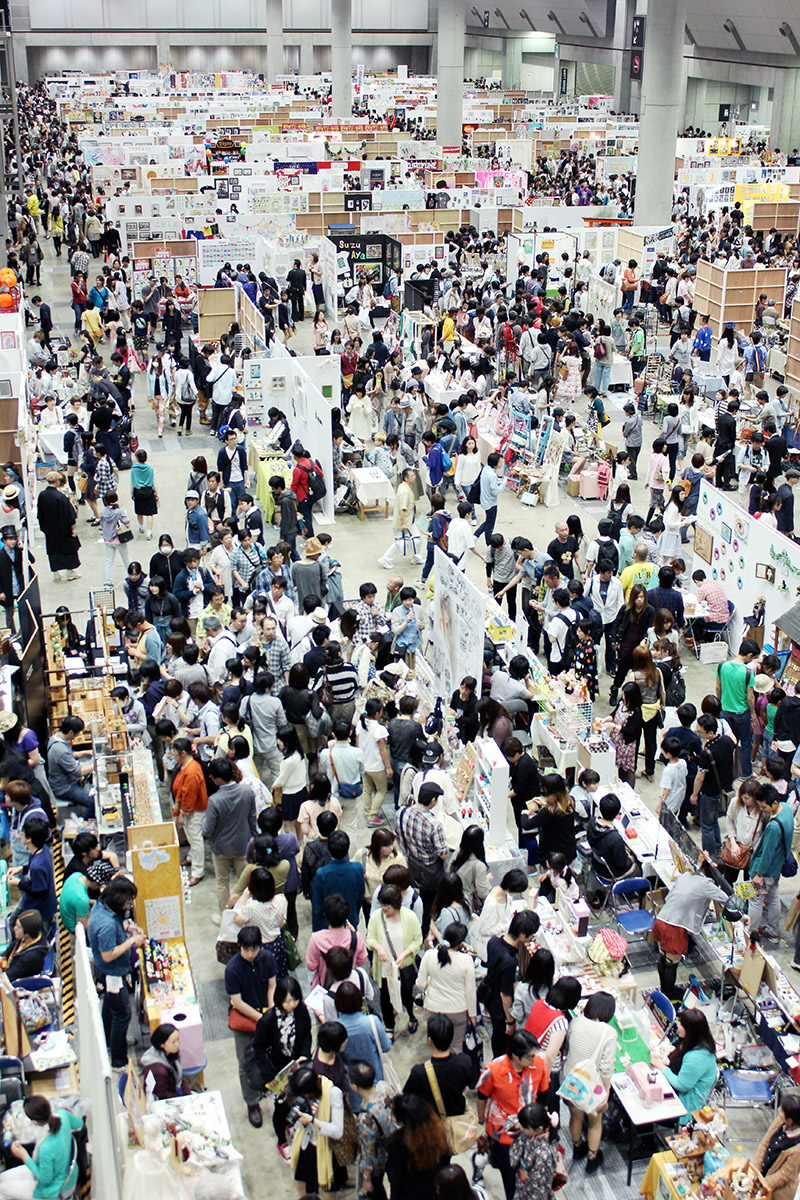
(324, 1155)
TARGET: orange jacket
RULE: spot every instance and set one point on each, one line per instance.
(189, 789)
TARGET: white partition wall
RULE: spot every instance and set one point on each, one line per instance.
(97, 1083)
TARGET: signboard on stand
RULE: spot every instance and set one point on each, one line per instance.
(459, 613)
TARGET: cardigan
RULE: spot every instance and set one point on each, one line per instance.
(412, 936)
(694, 1080)
(783, 1174)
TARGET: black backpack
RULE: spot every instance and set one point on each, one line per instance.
(317, 488)
(571, 642)
(615, 517)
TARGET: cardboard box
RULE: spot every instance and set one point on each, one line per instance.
(573, 485)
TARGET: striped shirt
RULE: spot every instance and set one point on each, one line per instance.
(343, 680)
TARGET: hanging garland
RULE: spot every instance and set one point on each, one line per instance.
(784, 560)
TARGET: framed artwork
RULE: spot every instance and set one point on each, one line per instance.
(703, 544)
(8, 340)
(763, 570)
(742, 529)
(726, 533)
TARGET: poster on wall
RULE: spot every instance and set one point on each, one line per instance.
(459, 611)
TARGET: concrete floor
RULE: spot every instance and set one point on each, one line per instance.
(357, 545)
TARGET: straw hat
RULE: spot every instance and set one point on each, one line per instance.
(761, 685)
(312, 548)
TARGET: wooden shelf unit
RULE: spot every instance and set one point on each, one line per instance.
(792, 374)
(731, 296)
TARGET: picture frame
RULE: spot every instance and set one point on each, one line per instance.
(763, 570)
(8, 340)
(726, 532)
(703, 544)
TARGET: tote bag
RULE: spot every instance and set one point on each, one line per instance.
(584, 1087)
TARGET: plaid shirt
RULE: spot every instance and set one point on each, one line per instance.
(277, 660)
(104, 479)
(80, 262)
(421, 834)
(263, 583)
(370, 619)
(668, 598)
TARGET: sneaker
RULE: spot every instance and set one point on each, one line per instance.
(149, 536)
(374, 822)
(179, 432)
(796, 965)
(284, 1152)
(73, 575)
(216, 919)
(413, 1025)
(57, 577)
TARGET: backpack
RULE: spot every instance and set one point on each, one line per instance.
(474, 493)
(447, 463)
(387, 289)
(442, 541)
(571, 642)
(615, 517)
(317, 488)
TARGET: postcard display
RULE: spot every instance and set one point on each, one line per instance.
(747, 558)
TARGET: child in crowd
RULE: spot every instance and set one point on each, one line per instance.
(774, 700)
(534, 1153)
(558, 878)
(673, 777)
(583, 793)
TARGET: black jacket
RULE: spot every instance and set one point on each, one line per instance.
(609, 853)
(787, 721)
(267, 1053)
(7, 571)
(168, 566)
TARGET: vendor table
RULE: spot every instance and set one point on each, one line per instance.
(51, 443)
(205, 1112)
(621, 372)
(541, 735)
(439, 394)
(657, 1184)
(652, 845)
(776, 361)
(271, 464)
(669, 1111)
(373, 489)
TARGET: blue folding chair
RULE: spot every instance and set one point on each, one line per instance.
(663, 1006)
(635, 921)
(743, 1089)
(122, 1084)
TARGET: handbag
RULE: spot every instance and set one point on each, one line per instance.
(318, 725)
(325, 693)
(724, 797)
(348, 791)
(583, 1086)
(239, 1023)
(789, 868)
(293, 955)
(461, 1130)
(82, 482)
(124, 536)
(390, 1076)
(345, 1148)
(739, 861)
(473, 1048)
(792, 915)
(560, 1169)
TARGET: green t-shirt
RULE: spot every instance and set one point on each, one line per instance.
(735, 678)
(771, 710)
(74, 902)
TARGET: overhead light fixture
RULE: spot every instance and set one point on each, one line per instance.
(730, 28)
(524, 15)
(551, 16)
(691, 39)
(500, 17)
(586, 21)
(785, 30)
(479, 15)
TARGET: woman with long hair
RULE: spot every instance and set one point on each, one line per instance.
(651, 685)
(691, 1068)
(468, 468)
(315, 1120)
(447, 981)
(674, 521)
(376, 858)
(282, 1036)
(494, 720)
(625, 729)
(498, 909)
(743, 823)
(469, 862)
(417, 1150)
(537, 979)
(319, 332)
(637, 617)
(449, 904)
(621, 507)
(259, 905)
(553, 820)
(290, 784)
(319, 801)
(575, 530)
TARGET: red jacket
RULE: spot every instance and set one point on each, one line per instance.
(189, 789)
(300, 475)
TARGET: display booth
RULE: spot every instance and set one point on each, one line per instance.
(373, 255)
(730, 296)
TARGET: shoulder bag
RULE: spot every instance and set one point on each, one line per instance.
(584, 1087)
(390, 1076)
(462, 1131)
(725, 797)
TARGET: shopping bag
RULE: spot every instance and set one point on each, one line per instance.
(583, 1086)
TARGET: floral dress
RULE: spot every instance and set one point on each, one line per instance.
(625, 751)
(535, 1159)
(570, 387)
(585, 666)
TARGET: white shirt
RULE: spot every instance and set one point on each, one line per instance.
(558, 629)
(223, 647)
(367, 741)
(460, 538)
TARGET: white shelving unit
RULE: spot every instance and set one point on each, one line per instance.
(491, 791)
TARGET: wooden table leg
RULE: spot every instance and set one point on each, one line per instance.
(361, 507)
(387, 510)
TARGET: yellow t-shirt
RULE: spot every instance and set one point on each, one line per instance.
(637, 572)
(92, 323)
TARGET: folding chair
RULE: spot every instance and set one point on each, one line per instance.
(635, 921)
(720, 632)
(662, 1006)
(745, 1089)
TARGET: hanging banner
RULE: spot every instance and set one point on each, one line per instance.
(459, 616)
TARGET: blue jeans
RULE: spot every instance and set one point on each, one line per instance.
(80, 797)
(743, 731)
(116, 1019)
(305, 506)
(708, 812)
(602, 377)
(237, 491)
(487, 528)
(627, 301)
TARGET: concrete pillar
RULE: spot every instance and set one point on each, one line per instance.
(658, 121)
(683, 91)
(512, 63)
(342, 58)
(163, 50)
(623, 14)
(306, 53)
(450, 87)
(274, 27)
